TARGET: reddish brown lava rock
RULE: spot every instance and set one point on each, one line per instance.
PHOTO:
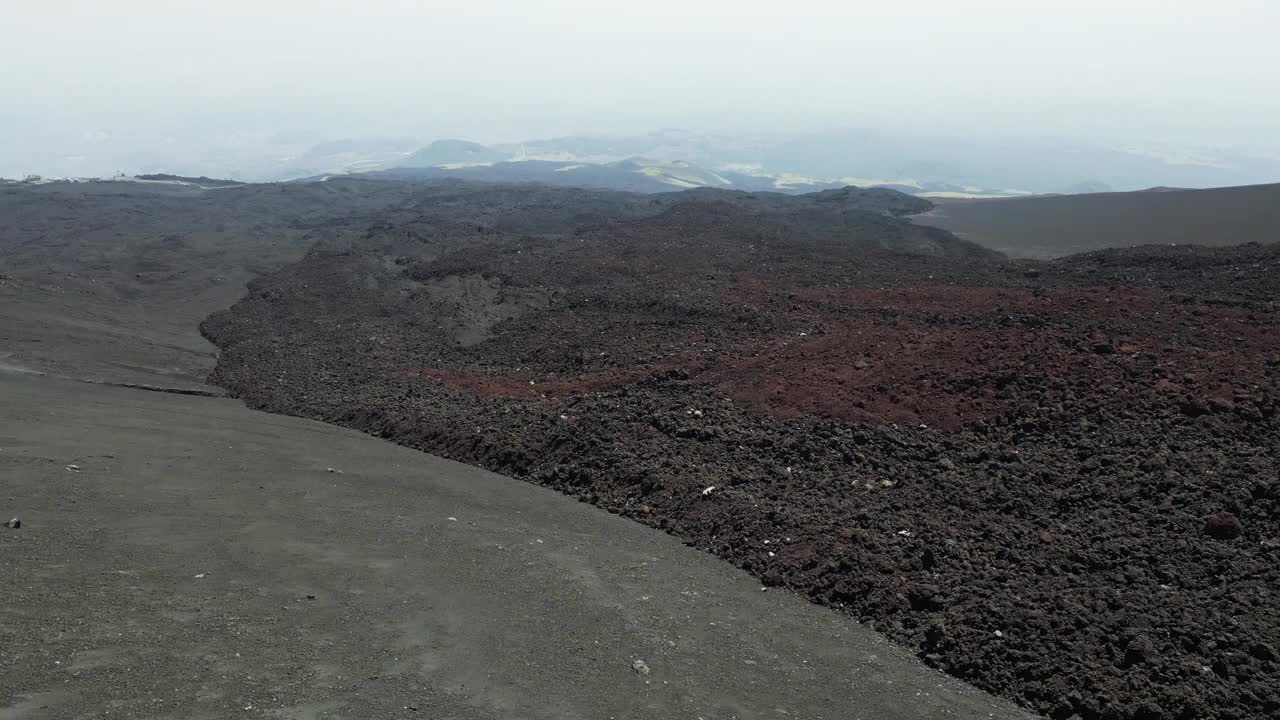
(1223, 526)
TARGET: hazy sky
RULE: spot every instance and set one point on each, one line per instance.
(1185, 70)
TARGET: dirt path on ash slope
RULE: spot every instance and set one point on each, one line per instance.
(186, 557)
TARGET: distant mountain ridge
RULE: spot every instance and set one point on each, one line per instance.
(938, 163)
(656, 162)
(686, 159)
(944, 161)
(632, 175)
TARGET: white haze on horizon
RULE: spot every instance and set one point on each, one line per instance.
(99, 83)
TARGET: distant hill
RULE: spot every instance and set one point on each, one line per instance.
(202, 181)
(445, 153)
(1053, 226)
(1088, 187)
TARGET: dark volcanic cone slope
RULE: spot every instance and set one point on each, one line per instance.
(1057, 484)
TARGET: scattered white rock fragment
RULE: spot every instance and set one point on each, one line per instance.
(709, 489)
(452, 519)
(906, 533)
(999, 634)
(73, 468)
(770, 553)
(14, 524)
(641, 667)
(200, 576)
(697, 413)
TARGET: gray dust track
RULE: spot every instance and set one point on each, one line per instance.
(184, 557)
